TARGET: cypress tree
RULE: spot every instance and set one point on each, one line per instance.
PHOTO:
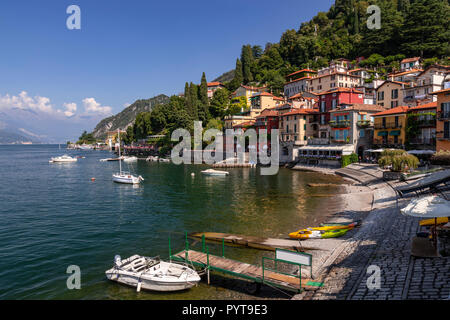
(203, 97)
(238, 77)
(188, 100)
(193, 93)
(247, 61)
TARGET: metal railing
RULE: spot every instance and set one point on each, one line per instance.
(339, 124)
(388, 125)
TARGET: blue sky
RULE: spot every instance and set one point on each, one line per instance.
(133, 49)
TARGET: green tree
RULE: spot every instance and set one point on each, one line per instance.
(219, 103)
(426, 31)
(203, 111)
(247, 63)
(238, 76)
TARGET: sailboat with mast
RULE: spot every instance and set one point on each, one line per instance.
(122, 176)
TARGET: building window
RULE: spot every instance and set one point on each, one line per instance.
(362, 133)
(381, 95)
(395, 94)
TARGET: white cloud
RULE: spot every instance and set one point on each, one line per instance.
(92, 106)
(24, 102)
(71, 108)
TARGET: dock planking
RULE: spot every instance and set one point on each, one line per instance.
(247, 271)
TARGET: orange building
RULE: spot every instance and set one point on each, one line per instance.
(443, 120)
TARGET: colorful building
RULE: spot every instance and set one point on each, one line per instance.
(248, 92)
(443, 120)
(410, 63)
(330, 100)
(422, 117)
(390, 94)
(390, 128)
(262, 101)
(354, 124)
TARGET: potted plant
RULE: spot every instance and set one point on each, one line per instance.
(397, 161)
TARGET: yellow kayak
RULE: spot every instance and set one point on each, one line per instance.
(316, 234)
(430, 222)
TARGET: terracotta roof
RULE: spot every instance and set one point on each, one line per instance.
(353, 90)
(430, 105)
(252, 88)
(299, 79)
(268, 113)
(410, 60)
(267, 94)
(392, 81)
(441, 91)
(334, 73)
(243, 124)
(405, 72)
(359, 107)
(214, 84)
(299, 95)
(300, 111)
(397, 110)
(300, 71)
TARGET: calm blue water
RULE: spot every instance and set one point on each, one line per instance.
(53, 216)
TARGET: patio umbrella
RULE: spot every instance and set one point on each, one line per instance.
(428, 207)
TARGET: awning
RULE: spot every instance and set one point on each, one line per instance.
(421, 152)
(345, 149)
(382, 133)
(394, 133)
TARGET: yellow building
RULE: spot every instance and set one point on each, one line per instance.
(443, 120)
(390, 128)
(236, 120)
(248, 92)
(262, 101)
(298, 125)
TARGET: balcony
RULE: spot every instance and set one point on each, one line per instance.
(388, 125)
(339, 124)
(426, 122)
(318, 141)
(444, 115)
(340, 141)
(364, 123)
(423, 141)
(389, 143)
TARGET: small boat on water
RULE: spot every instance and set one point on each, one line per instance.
(152, 274)
(130, 159)
(64, 158)
(111, 159)
(212, 172)
(125, 177)
(163, 160)
(152, 158)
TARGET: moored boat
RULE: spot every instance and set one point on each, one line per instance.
(64, 158)
(130, 159)
(212, 172)
(152, 274)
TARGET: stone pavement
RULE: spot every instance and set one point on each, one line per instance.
(384, 242)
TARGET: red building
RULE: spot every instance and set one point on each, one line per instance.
(330, 100)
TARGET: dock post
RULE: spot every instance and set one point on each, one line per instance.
(186, 248)
(207, 264)
(170, 250)
(203, 243)
(223, 248)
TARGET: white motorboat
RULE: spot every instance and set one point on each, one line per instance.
(64, 158)
(125, 177)
(212, 172)
(152, 274)
(152, 158)
(130, 159)
(163, 160)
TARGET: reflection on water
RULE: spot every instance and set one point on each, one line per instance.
(53, 215)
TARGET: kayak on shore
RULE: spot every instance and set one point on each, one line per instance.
(430, 222)
(318, 234)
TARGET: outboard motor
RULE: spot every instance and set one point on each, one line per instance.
(117, 261)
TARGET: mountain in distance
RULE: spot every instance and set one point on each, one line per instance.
(15, 138)
(226, 77)
(127, 116)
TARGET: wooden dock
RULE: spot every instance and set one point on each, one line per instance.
(247, 271)
(269, 244)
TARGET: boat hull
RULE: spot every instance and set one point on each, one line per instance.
(147, 284)
(128, 179)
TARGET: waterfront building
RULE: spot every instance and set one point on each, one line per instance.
(390, 94)
(443, 120)
(296, 127)
(330, 100)
(354, 124)
(422, 117)
(405, 76)
(213, 86)
(248, 92)
(298, 82)
(305, 100)
(390, 128)
(426, 82)
(410, 63)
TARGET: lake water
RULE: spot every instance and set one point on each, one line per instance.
(53, 216)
